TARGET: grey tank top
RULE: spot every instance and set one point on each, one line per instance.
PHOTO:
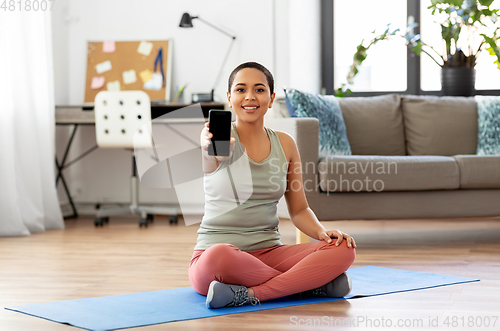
(241, 198)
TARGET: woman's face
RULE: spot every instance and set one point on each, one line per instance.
(250, 96)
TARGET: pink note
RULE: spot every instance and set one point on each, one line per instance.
(97, 83)
(108, 46)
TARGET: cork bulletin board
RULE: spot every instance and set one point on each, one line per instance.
(129, 65)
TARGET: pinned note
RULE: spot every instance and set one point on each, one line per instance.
(103, 67)
(113, 86)
(108, 46)
(97, 82)
(145, 48)
(145, 75)
(129, 76)
(155, 83)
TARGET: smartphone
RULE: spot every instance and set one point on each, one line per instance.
(220, 126)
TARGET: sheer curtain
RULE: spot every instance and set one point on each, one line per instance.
(28, 199)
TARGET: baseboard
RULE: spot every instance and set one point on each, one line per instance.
(89, 208)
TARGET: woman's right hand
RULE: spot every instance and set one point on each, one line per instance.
(205, 141)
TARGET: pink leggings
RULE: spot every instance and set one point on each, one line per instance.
(272, 272)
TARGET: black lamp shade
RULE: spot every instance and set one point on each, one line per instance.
(186, 21)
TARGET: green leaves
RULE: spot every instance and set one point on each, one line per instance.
(342, 91)
(493, 49)
(417, 48)
(362, 50)
(459, 15)
(456, 3)
(485, 3)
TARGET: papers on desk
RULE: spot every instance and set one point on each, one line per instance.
(145, 48)
(145, 75)
(132, 64)
(129, 76)
(103, 67)
(97, 82)
(114, 86)
(108, 46)
(155, 83)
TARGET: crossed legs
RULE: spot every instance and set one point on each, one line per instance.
(271, 272)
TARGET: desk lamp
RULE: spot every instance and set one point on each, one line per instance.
(187, 22)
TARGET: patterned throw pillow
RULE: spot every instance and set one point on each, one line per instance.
(326, 108)
(488, 122)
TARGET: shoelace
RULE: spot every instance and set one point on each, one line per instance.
(241, 298)
(254, 301)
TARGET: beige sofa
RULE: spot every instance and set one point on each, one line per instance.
(413, 157)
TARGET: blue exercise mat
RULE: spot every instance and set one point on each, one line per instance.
(156, 307)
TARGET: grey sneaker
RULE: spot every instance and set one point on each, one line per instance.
(337, 288)
(225, 295)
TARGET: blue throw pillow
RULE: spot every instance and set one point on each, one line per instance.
(488, 122)
(291, 110)
(326, 108)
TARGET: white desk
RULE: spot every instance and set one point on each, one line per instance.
(77, 115)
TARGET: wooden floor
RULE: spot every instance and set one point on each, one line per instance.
(83, 261)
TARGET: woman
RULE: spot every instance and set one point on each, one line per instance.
(239, 258)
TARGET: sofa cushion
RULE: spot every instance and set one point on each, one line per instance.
(479, 172)
(332, 132)
(440, 125)
(374, 124)
(363, 173)
(488, 110)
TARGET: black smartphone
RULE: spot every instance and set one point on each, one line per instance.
(220, 126)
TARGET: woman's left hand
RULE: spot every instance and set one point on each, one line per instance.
(328, 235)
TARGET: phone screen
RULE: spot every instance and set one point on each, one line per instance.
(220, 126)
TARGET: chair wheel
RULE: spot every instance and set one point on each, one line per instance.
(143, 222)
(173, 219)
(151, 218)
(99, 221)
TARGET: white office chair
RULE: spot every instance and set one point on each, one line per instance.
(123, 120)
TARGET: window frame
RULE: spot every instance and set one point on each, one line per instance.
(413, 75)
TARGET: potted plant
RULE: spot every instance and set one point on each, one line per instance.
(459, 19)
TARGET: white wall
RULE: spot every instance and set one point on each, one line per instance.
(267, 32)
(197, 52)
(60, 40)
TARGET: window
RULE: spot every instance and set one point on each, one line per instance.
(487, 73)
(389, 66)
(385, 67)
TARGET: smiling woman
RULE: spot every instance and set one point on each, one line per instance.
(239, 257)
(251, 89)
